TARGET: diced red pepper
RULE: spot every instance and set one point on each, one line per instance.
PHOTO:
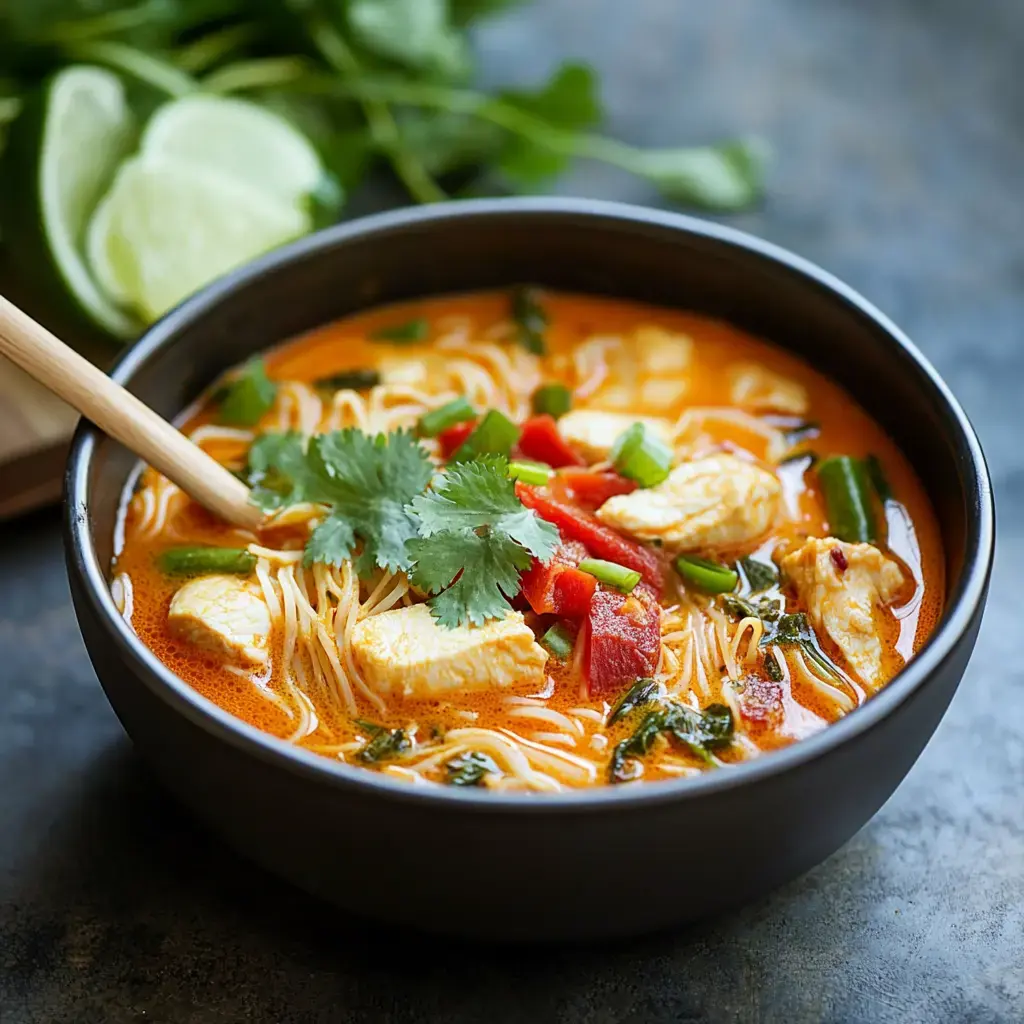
(591, 488)
(622, 640)
(600, 540)
(452, 439)
(557, 586)
(541, 441)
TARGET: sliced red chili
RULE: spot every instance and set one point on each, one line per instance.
(600, 540)
(557, 587)
(540, 440)
(590, 488)
(452, 439)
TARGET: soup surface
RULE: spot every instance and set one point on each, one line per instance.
(534, 541)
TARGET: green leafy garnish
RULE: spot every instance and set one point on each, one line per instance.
(348, 380)
(475, 537)
(759, 575)
(366, 483)
(383, 743)
(794, 629)
(247, 398)
(469, 769)
(772, 669)
(643, 691)
(531, 320)
(411, 330)
(700, 732)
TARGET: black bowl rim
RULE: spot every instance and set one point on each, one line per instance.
(961, 609)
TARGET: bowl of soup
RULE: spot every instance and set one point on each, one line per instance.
(616, 566)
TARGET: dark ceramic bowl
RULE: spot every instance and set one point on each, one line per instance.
(603, 862)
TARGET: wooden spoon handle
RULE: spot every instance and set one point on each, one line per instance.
(121, 415)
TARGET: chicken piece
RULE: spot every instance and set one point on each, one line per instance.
(842, 585)
(755, 387)
(714, 502)
(662, 353)
(593, 434)
(405, 652)
(224, 615)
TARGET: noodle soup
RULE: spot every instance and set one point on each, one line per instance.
(526, 540)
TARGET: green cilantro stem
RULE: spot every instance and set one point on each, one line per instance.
(565, 142)
(259, 73)
(383, 126)
(136, 64)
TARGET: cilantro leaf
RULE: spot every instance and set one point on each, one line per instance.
(366, 482)
(487, 568)
(568, 100)
(246, 399)
(276, 470)
(479, 493)
(475, 539)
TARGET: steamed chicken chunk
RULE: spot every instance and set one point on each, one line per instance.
(593, 434)
(406, 652)
(224, 615)
(759, 389)
(714, 502)
(842, 585)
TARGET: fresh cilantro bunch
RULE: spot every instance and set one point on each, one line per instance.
(475, 537)
(366, 482)
(465, 541)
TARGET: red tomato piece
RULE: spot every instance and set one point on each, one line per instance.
(622, 640)
(591, 488)
(541, 441)
(600, 540)
(452, 439)
(558, 587)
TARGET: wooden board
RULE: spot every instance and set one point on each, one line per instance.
(35, 428)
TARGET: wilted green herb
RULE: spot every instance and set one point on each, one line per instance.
(530, 318)
(383, 744)
(700, 732)
(470, 769)
(759, 575)
(348, 380)
(643, 691)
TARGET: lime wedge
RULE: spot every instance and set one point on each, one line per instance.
(62, 153)
(167, 227)
(245, 141)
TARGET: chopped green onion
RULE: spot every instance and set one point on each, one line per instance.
(411, 330)
(530, 319)
(245, 400)
(535, 473)
(194, 561)
(348, 380)
(876, 474)
(495, 434)
(846, 499)
(435, 422)
(611, 573)
(641, 456)
(711, 577)
(559, 640)
(553, 399)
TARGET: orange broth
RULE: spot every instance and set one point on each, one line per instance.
(845, 428)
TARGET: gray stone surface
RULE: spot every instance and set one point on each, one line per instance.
(899, 137)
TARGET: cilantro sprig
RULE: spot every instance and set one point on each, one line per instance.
(465, 541)
(475, 537)
(366, 482)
